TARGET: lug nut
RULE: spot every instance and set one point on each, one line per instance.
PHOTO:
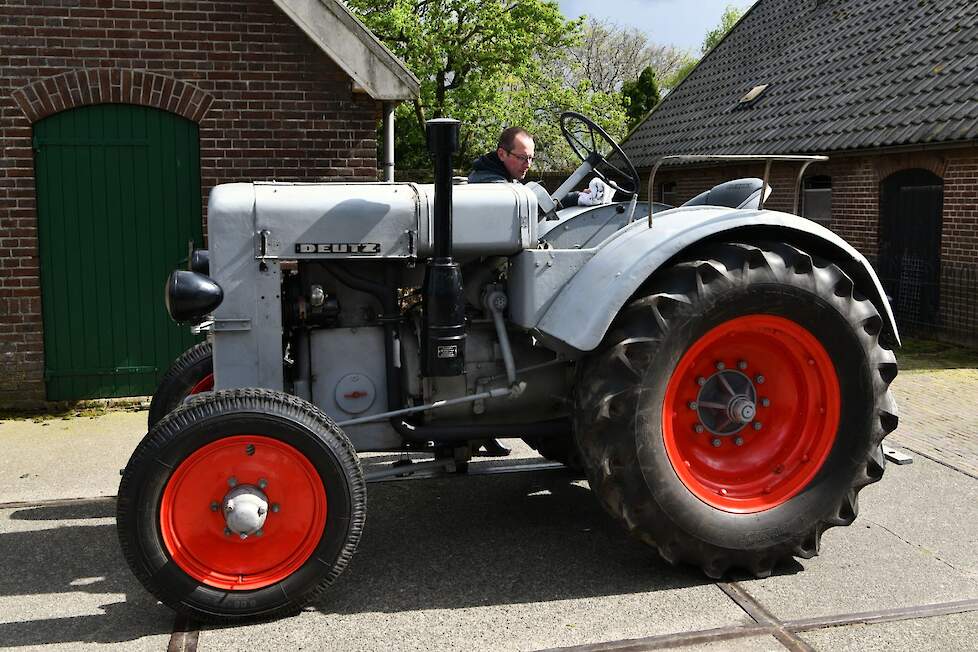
(721, 366)
(716, 443)
(250, 449)
(259, 532)
(227, 531)
(214, 506)
(698, 428)
(759, 380)
(232, 481)
(758, 425)
(262, 483)
(766, 402)
(742, 365)
(739, 441)
(243, 536)
(275, 507)
(701, 381)
(692, 405)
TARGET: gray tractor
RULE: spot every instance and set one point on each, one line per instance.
(715, 369)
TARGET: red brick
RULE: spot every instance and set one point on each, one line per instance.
(198, 61)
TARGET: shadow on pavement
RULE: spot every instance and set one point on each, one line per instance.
(494, 540)
(431, 544)
(72, 568)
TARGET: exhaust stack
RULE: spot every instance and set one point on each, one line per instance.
(443, 337)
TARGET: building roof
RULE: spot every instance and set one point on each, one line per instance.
(840, 75)
(353, 47)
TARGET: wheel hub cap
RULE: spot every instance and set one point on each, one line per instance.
(245, 510)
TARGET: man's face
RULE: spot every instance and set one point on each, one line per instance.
(519, 158)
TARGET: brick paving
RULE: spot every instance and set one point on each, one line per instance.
(939, 416)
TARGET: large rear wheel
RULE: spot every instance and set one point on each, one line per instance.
(240, 504)
(736, 409)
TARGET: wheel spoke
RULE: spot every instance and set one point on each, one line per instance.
(711, 404)
(726, 384)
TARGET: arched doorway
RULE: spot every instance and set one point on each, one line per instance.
(911, 218)
(118, 199)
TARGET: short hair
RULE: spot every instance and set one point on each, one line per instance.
(508, 138)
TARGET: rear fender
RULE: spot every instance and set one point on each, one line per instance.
(581, 313)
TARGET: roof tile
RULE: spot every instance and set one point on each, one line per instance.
(841, 74)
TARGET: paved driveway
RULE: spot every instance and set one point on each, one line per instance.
(514, 561)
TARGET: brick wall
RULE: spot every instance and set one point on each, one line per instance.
(268, 102)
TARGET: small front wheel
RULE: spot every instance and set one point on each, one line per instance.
(241, 503)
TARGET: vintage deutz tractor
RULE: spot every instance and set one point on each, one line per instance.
(716, 370)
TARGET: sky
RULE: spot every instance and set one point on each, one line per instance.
(683, 23)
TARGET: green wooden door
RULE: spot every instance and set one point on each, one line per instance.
(118, 199)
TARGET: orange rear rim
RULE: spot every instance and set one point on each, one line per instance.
(192, 512)
(751, 413)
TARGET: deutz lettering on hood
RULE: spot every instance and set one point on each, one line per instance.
(337, 248)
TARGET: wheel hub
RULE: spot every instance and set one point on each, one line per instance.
(727, 401)
(741, 409)
(245, 510)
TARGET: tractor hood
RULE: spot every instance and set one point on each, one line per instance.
(373, 220)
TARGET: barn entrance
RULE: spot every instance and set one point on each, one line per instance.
(911, 206)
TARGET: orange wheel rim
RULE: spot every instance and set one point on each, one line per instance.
(193, 524)
(205, 384)
(751, 413)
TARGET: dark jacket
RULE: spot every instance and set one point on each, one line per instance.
(489, 169)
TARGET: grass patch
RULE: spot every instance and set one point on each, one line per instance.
(73, 410)
(924, 355)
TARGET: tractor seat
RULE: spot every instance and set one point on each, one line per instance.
(739, 193)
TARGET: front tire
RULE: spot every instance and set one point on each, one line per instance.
(735, 410)
(240, 504)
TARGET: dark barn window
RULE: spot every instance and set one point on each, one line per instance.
(816, 199)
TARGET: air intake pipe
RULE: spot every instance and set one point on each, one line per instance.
(443, 336)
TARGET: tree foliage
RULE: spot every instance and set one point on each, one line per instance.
(498, 63)
(640, 96)
(608, 55)
(484, 62)
(730, 17)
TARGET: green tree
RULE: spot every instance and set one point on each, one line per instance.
(473, 57)
(484, 62)
(680, 73)
(730, 17)
(640, 96)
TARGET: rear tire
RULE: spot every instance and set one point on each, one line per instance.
(171, 515)
(666, 408)
(191, 373)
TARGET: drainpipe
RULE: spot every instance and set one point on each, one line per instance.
(388, 141)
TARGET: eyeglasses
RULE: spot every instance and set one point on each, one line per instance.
(526, 159)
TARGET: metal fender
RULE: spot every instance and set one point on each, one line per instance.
(583, 310)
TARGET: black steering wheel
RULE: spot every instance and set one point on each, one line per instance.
(584, 136)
